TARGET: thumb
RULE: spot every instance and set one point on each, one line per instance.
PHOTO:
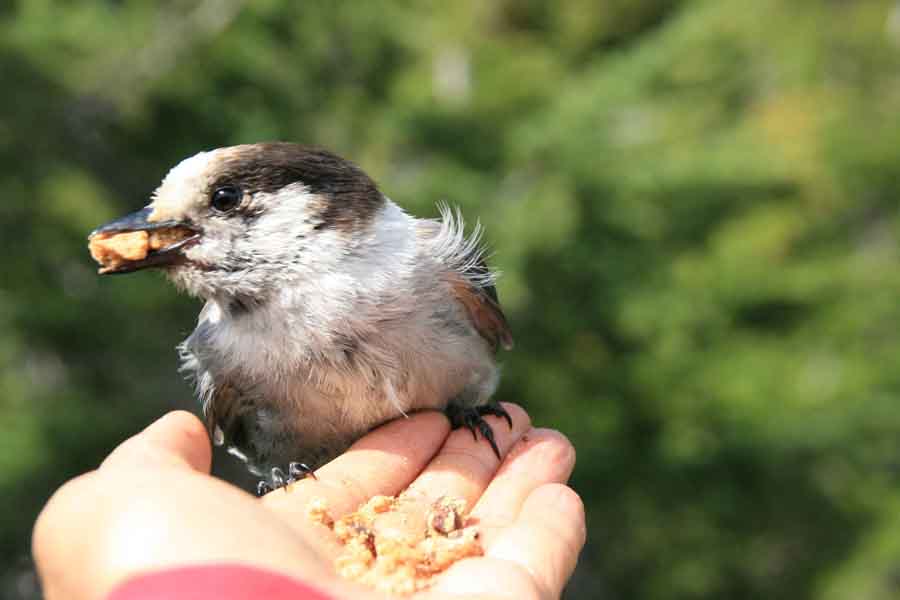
(178, 439)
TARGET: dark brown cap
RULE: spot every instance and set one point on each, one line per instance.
(349, 196)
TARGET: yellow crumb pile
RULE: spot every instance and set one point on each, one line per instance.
(398, 544)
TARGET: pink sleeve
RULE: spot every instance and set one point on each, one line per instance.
(215, 582)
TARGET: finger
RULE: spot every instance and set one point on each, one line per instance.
(385, 461)
(177, 439)
(541, 456)
(464, 466)
(546, 538)
(486, 578)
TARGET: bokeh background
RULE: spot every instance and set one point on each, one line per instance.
(694, 203)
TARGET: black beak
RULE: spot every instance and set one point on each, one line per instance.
(159, 257)
(136, 221)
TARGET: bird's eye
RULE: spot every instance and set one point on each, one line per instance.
(226, 198)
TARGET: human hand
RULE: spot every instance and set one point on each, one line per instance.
(152, 505)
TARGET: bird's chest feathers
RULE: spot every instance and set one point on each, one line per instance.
(272, 372)
(259, 344)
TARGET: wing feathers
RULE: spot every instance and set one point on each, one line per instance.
(484, 310)
(471, 281)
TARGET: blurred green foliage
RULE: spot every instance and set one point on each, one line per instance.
(694, 204)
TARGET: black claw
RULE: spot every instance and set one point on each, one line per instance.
(472, 418)
(497, 410)
(278, 478)
(297, 471)
(488, 434)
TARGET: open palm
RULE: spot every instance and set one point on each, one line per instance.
(152, 504)
(531, 524)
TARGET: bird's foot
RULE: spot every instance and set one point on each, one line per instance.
(278, 479)
(472, 418)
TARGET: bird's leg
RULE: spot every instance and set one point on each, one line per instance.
(277, 478)
(472, 418)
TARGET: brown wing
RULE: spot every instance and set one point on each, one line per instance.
(483, 306)
(220, 409)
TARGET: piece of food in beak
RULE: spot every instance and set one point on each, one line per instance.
(115, 250)
(160, 239)
(112, 250)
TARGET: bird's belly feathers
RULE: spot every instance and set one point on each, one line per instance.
(314, 420)
(316, 411)
(276, 399)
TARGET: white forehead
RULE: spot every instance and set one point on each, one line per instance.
(183, 187)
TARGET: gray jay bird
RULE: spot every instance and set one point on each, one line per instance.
(329, 310)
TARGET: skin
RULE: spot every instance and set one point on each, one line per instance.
(153, 504)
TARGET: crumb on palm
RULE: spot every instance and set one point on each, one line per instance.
(399, 544)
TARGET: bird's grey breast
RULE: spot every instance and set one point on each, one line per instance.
(241, 409)
(274, 399)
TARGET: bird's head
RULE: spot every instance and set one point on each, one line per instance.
(250, 217)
